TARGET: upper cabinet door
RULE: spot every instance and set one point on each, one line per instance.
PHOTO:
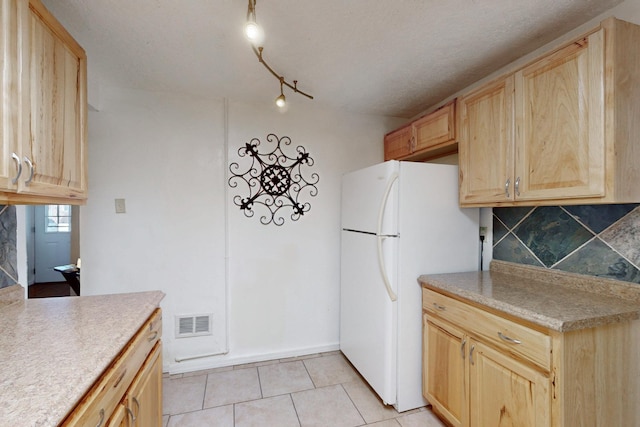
(58, 109)
(12, 82)
(398, 144)
(485, 143)
(560, 145)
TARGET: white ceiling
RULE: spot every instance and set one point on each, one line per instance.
(387, 57)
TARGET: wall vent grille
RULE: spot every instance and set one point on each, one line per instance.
(193, 325)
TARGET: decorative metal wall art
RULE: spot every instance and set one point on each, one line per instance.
(274, 179)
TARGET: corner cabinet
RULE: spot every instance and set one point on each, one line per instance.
(429, 137)
(560, 129)
(130, 391)
(44, 155)
(483, 369)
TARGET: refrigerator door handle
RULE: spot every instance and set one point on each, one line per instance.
(392, 179)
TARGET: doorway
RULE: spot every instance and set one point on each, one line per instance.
(52, 241)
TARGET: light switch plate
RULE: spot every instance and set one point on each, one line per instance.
(120, 206)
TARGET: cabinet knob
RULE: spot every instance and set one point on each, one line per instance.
(462, 346)
(473, 347)
(517, 186)
(506, 188)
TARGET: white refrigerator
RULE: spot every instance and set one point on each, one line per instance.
(399, 220)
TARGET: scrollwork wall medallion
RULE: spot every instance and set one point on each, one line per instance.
(273, 179)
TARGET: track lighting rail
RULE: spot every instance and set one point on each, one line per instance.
(254, 34)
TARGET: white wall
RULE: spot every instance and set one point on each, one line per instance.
(165, 154)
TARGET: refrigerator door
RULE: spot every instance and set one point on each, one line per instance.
(436, 237)
(368, 317)
(364, 192)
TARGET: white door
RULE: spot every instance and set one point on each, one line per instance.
(52, 241)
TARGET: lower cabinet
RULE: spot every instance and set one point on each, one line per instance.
(129, 393)
(481, 369)
(444, 382)
(505, 392)
(144, 398)
(471, 384)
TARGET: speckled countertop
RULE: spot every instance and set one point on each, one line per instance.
(52, 350)
(555, 300)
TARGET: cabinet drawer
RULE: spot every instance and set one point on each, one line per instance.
(103, 398)
(509, 336)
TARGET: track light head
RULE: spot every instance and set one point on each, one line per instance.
(281, 101)
(252, 30)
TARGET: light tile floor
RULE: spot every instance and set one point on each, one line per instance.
(321, 390)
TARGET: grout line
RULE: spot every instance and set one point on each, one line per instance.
(295, 409)
(309, 374)
(206, 382)
(259, 383)
(353, 403)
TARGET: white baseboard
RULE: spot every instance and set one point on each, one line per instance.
(220, 361)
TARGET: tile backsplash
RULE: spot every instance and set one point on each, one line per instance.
(598, 240)
(8, 261)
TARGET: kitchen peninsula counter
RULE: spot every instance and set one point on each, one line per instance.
(555, 300)
(52, 350)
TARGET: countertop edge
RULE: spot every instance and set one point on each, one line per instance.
(524, 314)
(577, 282)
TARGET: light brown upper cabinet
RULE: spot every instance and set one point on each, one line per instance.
(485, 147)
(44, 156)
(13, 15)
(397, 144)
(430, 136)
(560, 129)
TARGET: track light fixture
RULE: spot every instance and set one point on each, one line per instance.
(281, 101)
(251, 29)
(256, 36)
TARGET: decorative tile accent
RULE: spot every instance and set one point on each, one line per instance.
(511, 216)
(597, 240)
(598, 259)
(8, 260)
(624, 236)
(499, 229)
(599, 217)
(513, 250)
(551, 234)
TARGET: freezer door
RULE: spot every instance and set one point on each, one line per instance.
(368, 317)
(364, 192)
